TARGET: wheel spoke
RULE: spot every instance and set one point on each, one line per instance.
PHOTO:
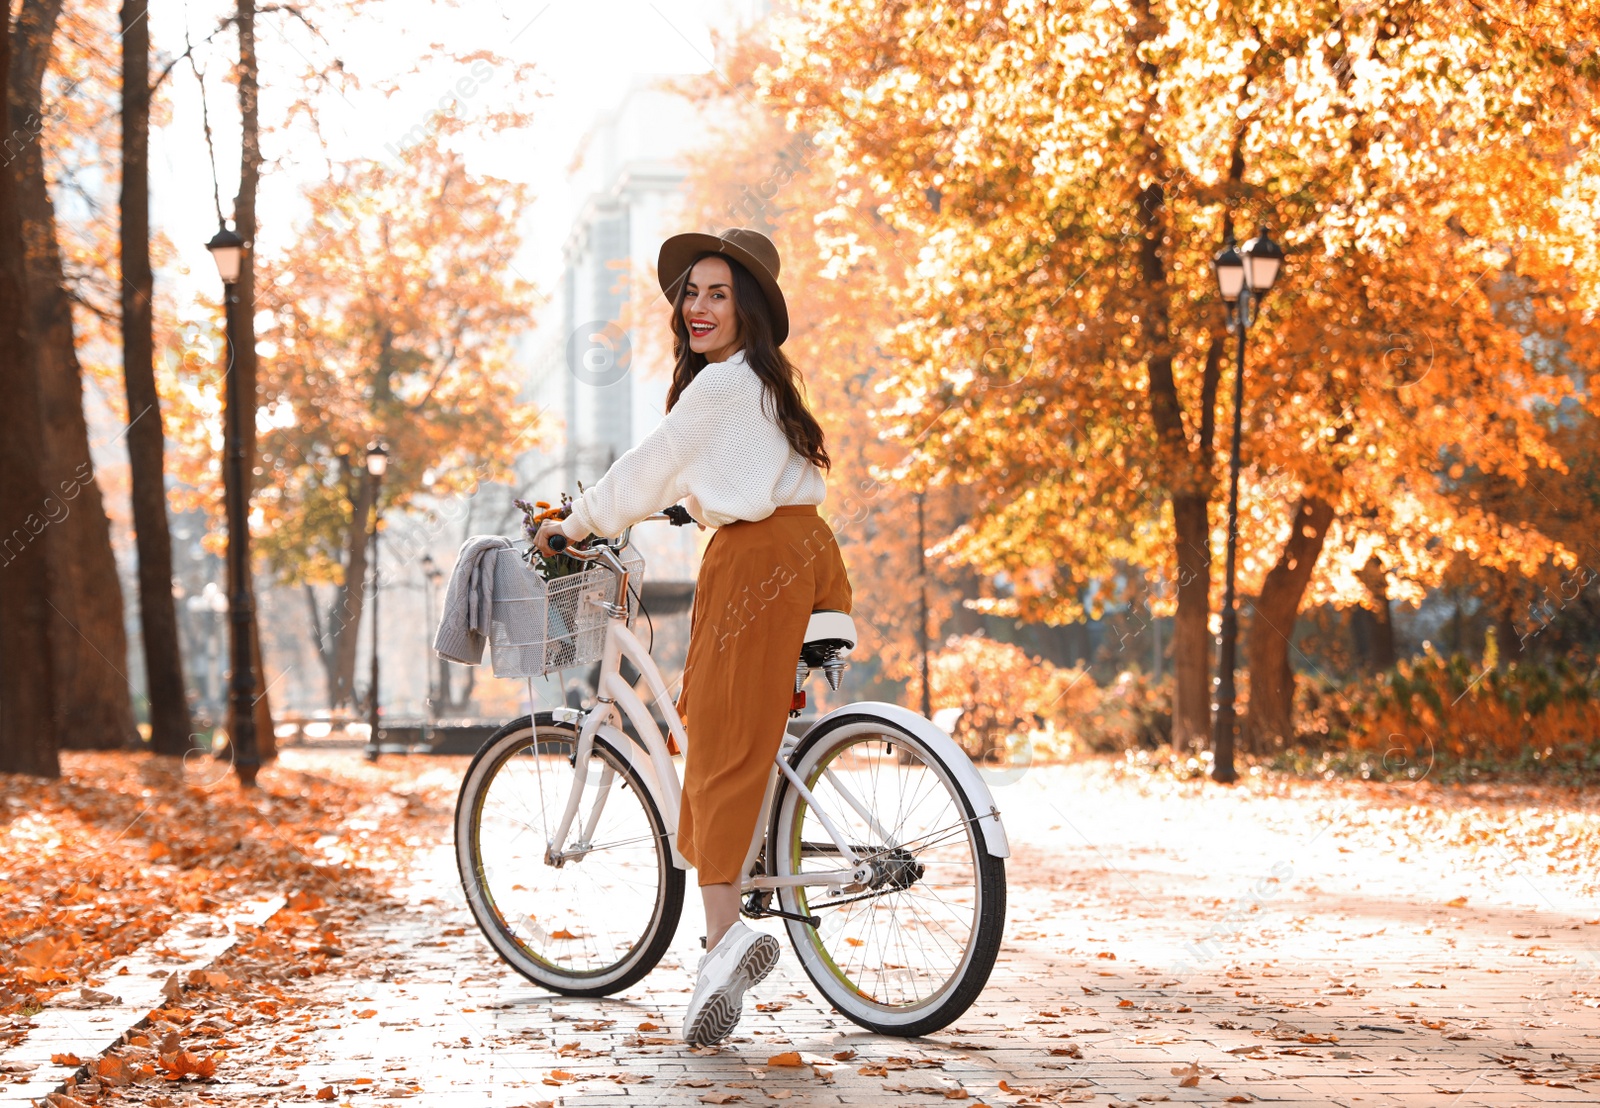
(594, 916)
(908, 940)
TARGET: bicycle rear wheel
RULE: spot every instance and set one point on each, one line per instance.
(599, 921)
(907, 952)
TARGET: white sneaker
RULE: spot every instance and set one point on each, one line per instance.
(741, 958)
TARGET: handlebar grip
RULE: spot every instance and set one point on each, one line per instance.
(558, 542)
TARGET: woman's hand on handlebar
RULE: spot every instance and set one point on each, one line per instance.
(549, 529)
(678, 516)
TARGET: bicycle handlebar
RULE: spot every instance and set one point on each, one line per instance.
(562, 545)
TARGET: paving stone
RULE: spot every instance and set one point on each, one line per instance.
(1236, 920)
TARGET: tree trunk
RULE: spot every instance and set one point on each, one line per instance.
(244, 216)
(1380, 653)
(1271, 716)
(28, 718)
(344, 622)
(90, 659)
(1191, 637)
(450, 704)
(338, 637)
(170, 725)
(1507, 638)
(1185, 450)
(1191, 713)
(322, 643)
(244, 356)
(266, 733)
(444, 704)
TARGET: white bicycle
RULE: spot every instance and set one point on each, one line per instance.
(879, 845)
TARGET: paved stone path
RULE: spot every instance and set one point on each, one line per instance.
(87, 1021)
(1165, 941)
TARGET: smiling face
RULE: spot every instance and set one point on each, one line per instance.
(708, 310)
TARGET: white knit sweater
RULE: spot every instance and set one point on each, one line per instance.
(718, 447)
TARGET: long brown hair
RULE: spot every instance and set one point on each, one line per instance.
(783, 392)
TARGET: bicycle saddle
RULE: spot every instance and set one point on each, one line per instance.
(827, 634)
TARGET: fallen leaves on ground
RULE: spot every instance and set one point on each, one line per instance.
(1050, 1092)
(949, 1092)
(100, 861)
(186, 1063)
(105, 859)
(1188, 1076)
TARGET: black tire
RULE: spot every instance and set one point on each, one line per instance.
(954, 845)
(493, 872)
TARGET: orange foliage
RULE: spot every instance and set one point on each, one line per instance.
(1001, 691)
(102, 860)
(754, 170)
(391, 315)
(1415, 164)
(1441, 709)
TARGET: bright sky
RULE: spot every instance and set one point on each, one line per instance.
(586, 53)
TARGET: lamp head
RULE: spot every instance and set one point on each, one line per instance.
(1229, 268)
(1263, 258)
(227, 250)
(377, 458)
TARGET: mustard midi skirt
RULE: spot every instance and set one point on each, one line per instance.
(759, 583)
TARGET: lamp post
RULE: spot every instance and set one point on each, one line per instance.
(227, 250)
(922, 606)
(431, 573)
(1243, 276)
(377, 463)
(430, 581)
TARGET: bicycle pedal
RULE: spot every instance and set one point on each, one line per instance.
(813, 921)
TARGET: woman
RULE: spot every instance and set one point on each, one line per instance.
(745, 455)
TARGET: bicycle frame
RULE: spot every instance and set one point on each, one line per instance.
(617, 699)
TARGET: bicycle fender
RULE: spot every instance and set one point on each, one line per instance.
(961, 767)
(640, 761)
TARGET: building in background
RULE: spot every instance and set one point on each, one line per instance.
(602, 360)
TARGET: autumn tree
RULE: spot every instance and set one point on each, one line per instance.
(1055, 355)
(392, 316)
(1405, 350)
(28, 716)
(754, 171)
(327, 74)
(1070, 169)
(158, 617)
(91, 650)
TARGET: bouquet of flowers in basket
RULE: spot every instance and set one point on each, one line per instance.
(556, 565)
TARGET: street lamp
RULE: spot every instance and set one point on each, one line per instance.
(1242, 276)
(377, 464)
(227, 250)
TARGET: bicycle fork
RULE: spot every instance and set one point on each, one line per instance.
(582, 750)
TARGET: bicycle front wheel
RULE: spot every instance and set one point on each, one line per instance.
(908, 950)
(595, 920)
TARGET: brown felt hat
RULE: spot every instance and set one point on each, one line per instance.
(748, 247)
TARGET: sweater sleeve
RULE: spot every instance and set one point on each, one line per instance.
(642, 481)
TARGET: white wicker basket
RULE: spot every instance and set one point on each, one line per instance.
(540, 626)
